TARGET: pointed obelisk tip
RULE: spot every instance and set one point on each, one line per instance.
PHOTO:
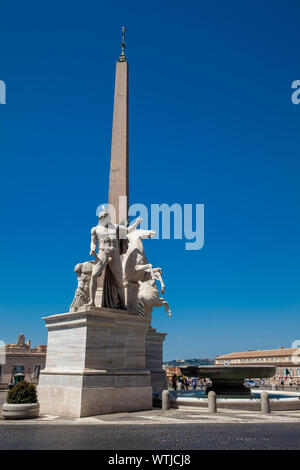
(122, 57)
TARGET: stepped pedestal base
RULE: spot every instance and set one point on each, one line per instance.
(80, 395)
(96, 364)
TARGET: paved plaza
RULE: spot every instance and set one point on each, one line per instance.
(184, 415)
(175, 429)
(171, 436)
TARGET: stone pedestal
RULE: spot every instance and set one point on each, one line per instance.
(154, 359)
(154, 340)
(96, 364)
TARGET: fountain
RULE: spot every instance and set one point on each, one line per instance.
(228, 383)
(229, 380)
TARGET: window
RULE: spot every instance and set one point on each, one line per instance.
(298, 372)
(278, 372)
(18, 369)
(291, 372)
(37, 370)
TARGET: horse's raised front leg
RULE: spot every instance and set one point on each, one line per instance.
(164, 303)
(157, 275)
(147, 268)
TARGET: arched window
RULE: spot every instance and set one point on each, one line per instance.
(298, 372)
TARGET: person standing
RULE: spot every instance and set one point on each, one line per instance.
(183, 382)
(174, 382)
(187, 383)
(179, 383)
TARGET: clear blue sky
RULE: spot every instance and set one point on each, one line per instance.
(211, 121)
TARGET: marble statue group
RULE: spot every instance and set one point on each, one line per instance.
(128, 281)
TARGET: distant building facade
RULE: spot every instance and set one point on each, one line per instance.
(170, 371)
(21, 358)
(286, 360)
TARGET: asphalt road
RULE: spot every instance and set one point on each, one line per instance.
(151, 437)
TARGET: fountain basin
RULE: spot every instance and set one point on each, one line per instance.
(279, 401)
(229, 380)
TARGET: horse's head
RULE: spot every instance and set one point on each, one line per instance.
(143, 234)
(140, 234)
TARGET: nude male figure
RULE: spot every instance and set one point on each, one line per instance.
(106, 236)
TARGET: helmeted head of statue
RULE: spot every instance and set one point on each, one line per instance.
(104, 216)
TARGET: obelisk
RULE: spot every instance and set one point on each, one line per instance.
(118, 179)
(103, 360)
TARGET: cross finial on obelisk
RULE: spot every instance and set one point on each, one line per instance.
(118, 178)
(122, 57)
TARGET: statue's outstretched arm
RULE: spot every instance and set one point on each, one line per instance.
(132, 227)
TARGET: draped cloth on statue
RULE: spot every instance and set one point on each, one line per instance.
(110, 296)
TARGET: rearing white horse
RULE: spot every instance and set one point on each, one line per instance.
(136, 269)
(135, 264)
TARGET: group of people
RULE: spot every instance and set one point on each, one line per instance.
(183, 383)
(290, 382)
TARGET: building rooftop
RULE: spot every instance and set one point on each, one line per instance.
(22, 346)
(259, 353)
